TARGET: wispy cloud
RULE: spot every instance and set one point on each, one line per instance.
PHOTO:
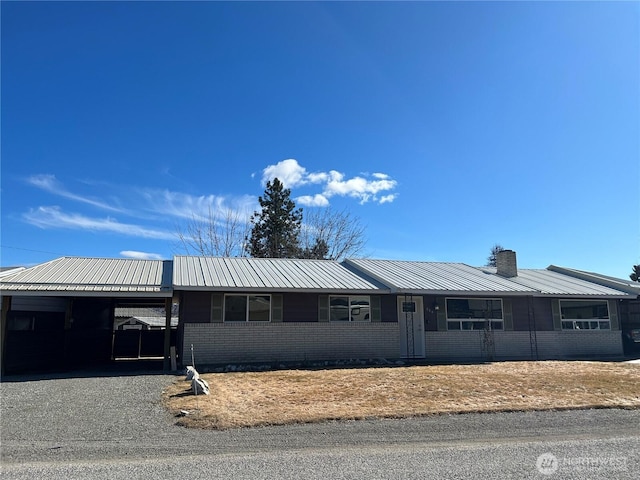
(50, 184)
(186, 206)
(54, 217)
(162, 206)
(363, 187)
(150, 204)
(141, 255)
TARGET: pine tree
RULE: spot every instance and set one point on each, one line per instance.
(635, 275)
(492, 259)
(275, 228)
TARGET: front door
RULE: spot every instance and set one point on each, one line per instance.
(411, 322)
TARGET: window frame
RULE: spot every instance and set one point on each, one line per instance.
(584, 324)
(350, 307)
(247, 297)
(475, 324)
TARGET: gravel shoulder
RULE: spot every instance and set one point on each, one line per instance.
(111, 417)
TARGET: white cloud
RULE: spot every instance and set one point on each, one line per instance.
(141, 255)
(53, 217)
(318, 177)
(364, 187)
(359, 187)
(381, 176)
(291, 174)
(50, 184)
(317, 200)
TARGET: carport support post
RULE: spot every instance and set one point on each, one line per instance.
(167, 334)
(6, 306)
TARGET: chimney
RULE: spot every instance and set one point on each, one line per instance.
(506, 263)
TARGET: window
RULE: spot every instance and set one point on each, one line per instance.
(474, 314)
(247, 308)
(21, 323)
(349, 309)
(585, 315)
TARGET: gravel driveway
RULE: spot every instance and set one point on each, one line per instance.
(107, 408)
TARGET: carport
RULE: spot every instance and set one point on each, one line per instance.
(60, 314)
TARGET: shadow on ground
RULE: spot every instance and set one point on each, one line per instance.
(118, 368)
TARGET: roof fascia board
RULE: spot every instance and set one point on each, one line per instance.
(372, 291)
(74, 293)
(593, 296)
(489, 293)
(467, 293)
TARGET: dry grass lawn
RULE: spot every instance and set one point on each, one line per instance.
(291, 396)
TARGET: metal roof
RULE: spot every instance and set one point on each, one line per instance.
(140, 312)
(258, 274)
(153, 278)
(156, 321)
(626, 285)
(150, 321)
(92, 276)
(436, 277)
(6, 271)
(548, 282)
(458, 278)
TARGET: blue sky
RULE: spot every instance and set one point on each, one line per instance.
(445, 127)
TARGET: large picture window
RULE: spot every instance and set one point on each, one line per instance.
(585, 315)
(356, 308)
(474, 314)
(247, 308)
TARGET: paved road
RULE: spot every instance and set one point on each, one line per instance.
(114, 427)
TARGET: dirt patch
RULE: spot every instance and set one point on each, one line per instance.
(293, 396)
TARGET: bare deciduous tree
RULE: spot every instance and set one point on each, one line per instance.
(333, 234)
(219, 234)
(223, 232)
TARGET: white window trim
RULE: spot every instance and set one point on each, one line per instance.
(475, 320)
(575, 321)
(350, 297)
(246, 295)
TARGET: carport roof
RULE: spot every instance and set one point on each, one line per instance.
(92, 276)
(276, 274)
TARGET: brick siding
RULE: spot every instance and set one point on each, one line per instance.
(289, 342)
(517, 346)
(295, 342)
